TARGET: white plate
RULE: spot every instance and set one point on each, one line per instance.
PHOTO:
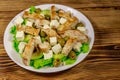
(17, 59)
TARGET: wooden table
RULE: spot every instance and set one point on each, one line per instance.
(103, 62)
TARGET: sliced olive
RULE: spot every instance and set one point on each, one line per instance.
(43, 34)
(47, 17)
(47, 39)
(80, 24)
(38, 10)
(61, 41)
(56, 62)
(72, 55)
(66, 38)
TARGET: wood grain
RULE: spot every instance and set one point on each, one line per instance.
(103, 62)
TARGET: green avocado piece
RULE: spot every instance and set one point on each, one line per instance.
(36, 55)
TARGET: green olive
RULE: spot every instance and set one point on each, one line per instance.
(72, 55)
(47, 17)
(56, 62)
(38, 10)
(80, 24)
(47, 38)
(43, 34)
(66, 38)
(61, 41)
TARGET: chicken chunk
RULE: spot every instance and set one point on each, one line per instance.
(68, 25)
(76, 34)
(28, 52)
(33, 16)
(32, 31)
(68, 46)
(53, 13)
(50, 32)
(64, 14)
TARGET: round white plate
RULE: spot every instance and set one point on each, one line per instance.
(17, 59)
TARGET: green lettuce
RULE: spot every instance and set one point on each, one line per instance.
(85, 47)
(41, 63)
(13, 30)
(32, 9)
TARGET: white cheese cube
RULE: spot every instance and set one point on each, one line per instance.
(48, 55)
(81, 29)
(57, 48)
(21, 47)
(20, 35)
(46, 27)
(62, 20)
(29, 23)
(54, 23)
(53, 40)
(77, 46)
(38, 39)
(19, 20)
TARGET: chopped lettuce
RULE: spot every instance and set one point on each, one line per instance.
(77, 53)
(85, 47)
(15, 45)
(45, 12)
(13, 30)
(41, 63)
(24, 21)
(32, 9)
(31, 62)
(69, 61)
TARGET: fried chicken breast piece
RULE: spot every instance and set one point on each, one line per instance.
(51, 32)
(33, 16)
(68, 46)
(28, 52)
(76, 34)
(68, 25)
(32, 30)
(53, 13)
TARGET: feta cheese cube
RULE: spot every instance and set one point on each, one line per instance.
(20, 35)
(46, 26)
(18, 20)
(53, 40)
(57, 48)
(21, 47)
(29, 23)
(81, 29)
(48, 55)
(62, 20)
(77, 46)
(54, 23)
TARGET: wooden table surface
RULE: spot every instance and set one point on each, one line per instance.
(103, 62)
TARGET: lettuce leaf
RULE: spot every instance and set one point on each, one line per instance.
(41, 63)
(85, 47)
(45, 12)
(13, 30)
(32, 9)
(69, 61)
(15, 45)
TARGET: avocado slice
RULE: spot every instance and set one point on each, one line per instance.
(36, 55)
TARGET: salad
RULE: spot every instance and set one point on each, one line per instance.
(49, 37)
